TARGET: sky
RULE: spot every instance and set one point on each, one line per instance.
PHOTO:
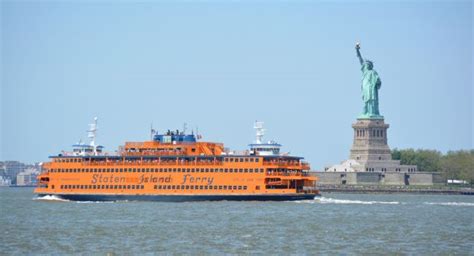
(222, 65)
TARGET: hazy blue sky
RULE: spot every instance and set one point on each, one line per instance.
(221, 66)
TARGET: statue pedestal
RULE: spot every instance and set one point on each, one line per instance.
(370, 151)
(370, 140)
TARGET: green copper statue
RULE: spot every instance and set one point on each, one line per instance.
(371, 84)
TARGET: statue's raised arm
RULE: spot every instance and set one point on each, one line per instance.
(358, 53)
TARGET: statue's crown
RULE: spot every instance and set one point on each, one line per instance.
(370, 63)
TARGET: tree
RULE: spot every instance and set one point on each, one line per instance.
(426, 160)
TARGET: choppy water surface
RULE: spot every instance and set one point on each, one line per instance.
(335, 223)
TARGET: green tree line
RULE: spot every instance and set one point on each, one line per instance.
(453, 165)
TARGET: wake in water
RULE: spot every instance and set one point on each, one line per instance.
(51, 198)
(54, 198)
(325, 200)
(450, 203)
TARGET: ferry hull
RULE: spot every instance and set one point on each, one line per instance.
(184, 198)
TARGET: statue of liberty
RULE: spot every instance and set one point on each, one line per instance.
(371, 84)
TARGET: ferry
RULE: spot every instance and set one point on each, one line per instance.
(175, 167)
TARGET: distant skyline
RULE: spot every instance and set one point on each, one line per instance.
(222, 65)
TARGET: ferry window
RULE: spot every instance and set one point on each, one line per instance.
(143, 186)
(246, 159)
(256, 160)
(190, 170)
(207, 169)
(240, 170)
(115, 186)
(215, 187)
(226, 170)
(173, 186)
(226, 160)
(201, 187)
(174, 169)
(103, 186)
(261, 170)
(220, 187)
(187, 187)
(154, 187)
(246, 170)
(133, 186)
(82, 187)
(62, 186)
(234, 187)
(182, 186)
(206, 187)
(245, 187)
(231, 159)
(241, 159)
(134, 170)
(165, 170)
(240, 187)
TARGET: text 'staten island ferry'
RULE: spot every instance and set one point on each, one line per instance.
(176, 167)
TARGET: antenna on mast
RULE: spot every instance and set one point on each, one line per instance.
(152, 131)
(198, 136)
(91, 134)
(258, 126)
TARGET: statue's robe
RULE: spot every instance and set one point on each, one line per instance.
(371, 83)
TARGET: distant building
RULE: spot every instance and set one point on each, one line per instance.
(13, 168)
(27, 177)
(5, 181)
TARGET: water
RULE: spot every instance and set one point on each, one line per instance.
(336, 223)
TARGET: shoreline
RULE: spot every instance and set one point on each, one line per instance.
(359, 189)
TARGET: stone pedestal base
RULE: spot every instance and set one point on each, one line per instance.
(370, 151)
(370, 141)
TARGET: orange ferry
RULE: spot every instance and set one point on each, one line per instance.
(175, 166)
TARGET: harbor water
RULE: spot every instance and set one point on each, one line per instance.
(335, 223)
